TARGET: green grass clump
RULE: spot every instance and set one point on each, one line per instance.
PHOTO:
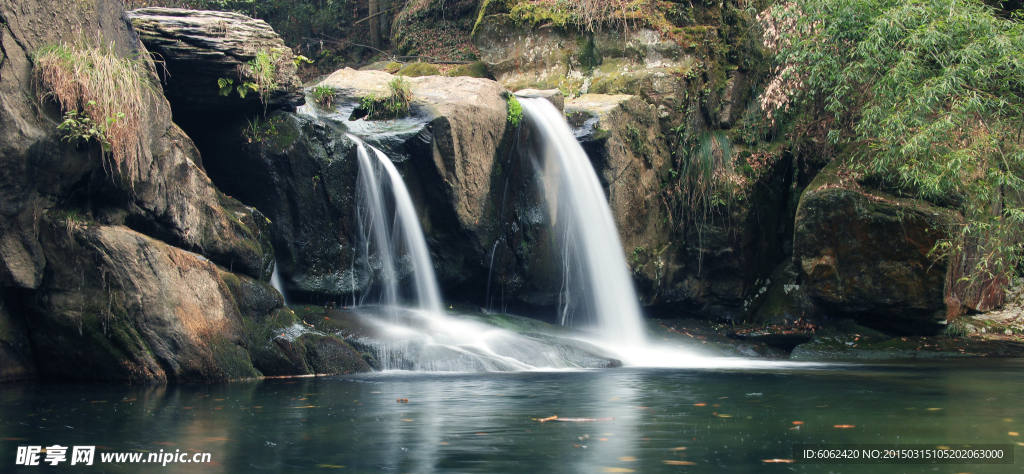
(102, 96)
(957, 329)
(395, 104)
(323, 95)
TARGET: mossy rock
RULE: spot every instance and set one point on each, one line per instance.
(419, 69)
(475, 69)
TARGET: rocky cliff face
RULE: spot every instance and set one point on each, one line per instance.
(118, 276)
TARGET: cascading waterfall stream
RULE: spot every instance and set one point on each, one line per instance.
(405, 224)
(424, 338)
(598, 280)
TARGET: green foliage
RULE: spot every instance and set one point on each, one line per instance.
(928, 96)
(395, 104)
(257, 132)
(515, 111)
(957, 328)
(78, 126)
(637, 140)
(101, 94)
(263, 71)
(323, 95)
(227, 85)
(702, 179)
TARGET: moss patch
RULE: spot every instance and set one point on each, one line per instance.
(419, 69)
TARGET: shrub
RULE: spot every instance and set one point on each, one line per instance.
(927, 96)
(101, 94)
(515, 110)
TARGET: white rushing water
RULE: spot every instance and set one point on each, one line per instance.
(423, 337)
(405, 227)
(598, 285)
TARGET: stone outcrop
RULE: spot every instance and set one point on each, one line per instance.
(864, 253)
(145, 275)
(199, 47)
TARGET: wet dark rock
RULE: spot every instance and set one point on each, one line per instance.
(16, 358)
(865, 253)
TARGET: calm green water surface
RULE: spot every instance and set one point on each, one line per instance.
(467, 423)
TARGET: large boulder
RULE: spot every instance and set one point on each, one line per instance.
(201, 47)
(864, 253)
(175, 317)
(446, 149)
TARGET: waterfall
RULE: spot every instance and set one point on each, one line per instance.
(598, 286)
(275, 281)
(405, 227)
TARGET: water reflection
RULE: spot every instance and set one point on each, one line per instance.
(660, 419)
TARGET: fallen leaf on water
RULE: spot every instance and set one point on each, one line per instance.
(330, 466)
(822, 406)
(580, 420)
(1018, 443)
(798, 422)
(444, 443)
(602, 439)
(845, 426)
(1014, 433)
(933, 409)
(617, 469)
(406, 419)
(716, 405)
(700, 404)
(723, 415)
(777, 460)
(627, 458)
(681, 448)
(942, 447)
(679, 463)
(1008, 420)
(542, 420)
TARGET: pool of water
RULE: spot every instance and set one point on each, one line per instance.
(642, 420)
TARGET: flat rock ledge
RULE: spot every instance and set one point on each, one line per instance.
(199, 47)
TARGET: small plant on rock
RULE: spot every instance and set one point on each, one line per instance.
(396, 104)
(323, 96)
(101, 94)
(515, 110)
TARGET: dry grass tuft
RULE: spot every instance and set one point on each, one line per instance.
(110, 90)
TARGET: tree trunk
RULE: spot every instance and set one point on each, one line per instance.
(374, 23)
